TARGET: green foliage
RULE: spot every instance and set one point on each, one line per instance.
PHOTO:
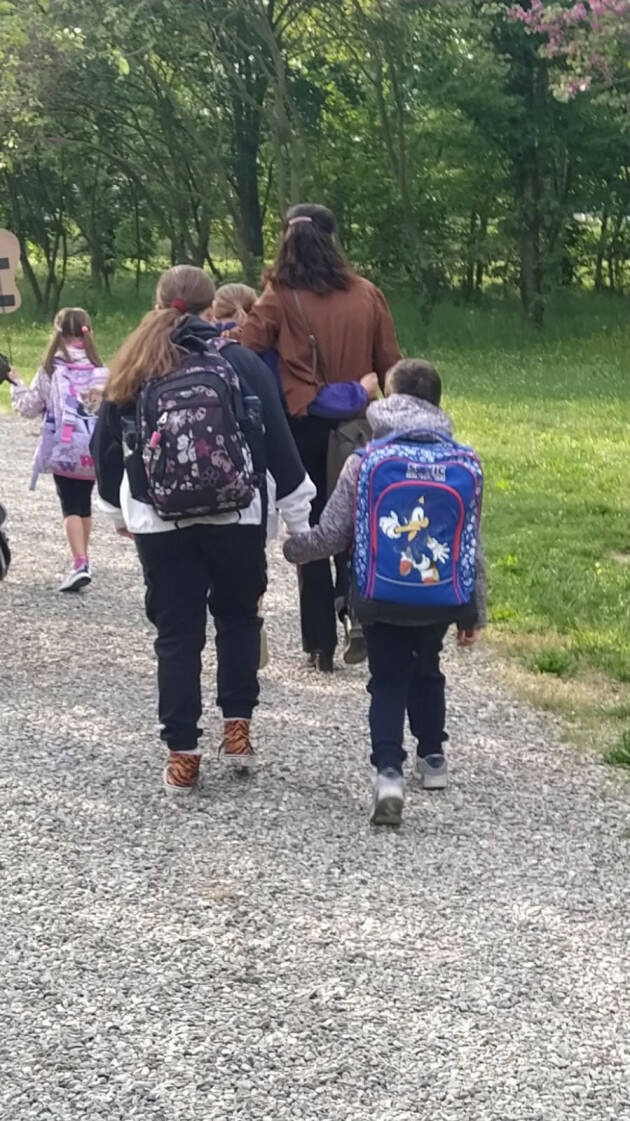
(431, 129)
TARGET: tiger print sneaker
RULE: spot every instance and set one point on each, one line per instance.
(236, 749)
(181, 773)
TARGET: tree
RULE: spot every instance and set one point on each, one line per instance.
(592, 38)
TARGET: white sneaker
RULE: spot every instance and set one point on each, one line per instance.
(389, 798)
(433, 772)
(78, 578)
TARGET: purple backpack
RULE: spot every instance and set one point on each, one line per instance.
(190, 427)
(75, 398)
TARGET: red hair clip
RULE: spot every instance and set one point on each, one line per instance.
(180, 305)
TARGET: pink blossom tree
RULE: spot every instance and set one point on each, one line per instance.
(593, 40)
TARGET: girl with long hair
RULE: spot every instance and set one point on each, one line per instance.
(199, 560)
(329, 325)
(66, 392)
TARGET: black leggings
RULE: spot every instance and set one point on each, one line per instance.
(317, 589)
(75, 496)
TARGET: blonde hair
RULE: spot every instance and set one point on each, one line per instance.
(234, 301)
(70, 323)
(148, 351)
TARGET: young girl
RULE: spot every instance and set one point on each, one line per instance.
(67, 391)
(200, 559)
(232, 304)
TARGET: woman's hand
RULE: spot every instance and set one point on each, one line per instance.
(124, 533)
(371, 386)
(467, 637)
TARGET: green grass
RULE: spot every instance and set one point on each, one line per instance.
(619, 755)
(549, 414)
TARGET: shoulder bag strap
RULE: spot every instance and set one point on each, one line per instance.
(317, 365)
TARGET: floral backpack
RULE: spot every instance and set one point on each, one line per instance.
(191, 432)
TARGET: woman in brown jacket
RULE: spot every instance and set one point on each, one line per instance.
(327, 325)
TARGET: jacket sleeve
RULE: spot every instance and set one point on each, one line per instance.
(294, 489)
(260, 330)
(107, 453)
(335, 531)
(32, 400)
(385, 349)
(341, 401)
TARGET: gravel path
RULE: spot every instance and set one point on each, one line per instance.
(264, 954)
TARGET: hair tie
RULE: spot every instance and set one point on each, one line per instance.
(180, 305)
(299, 218)
(85, 330)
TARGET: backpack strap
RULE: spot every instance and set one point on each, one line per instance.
(317, 365)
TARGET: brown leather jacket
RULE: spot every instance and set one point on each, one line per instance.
(354, 330)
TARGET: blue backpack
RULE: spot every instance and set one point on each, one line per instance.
(418, 507)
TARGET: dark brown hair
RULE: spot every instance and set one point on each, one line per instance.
(148, 351)
(415, 377)
(71, 324)
(309, 256)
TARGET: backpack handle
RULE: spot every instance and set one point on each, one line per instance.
(431, 436)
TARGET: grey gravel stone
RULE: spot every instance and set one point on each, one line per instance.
(262, 953)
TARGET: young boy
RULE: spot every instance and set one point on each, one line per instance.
(403, 651)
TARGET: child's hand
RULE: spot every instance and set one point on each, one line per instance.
(467, 637)
(371, 386)
(124, 533)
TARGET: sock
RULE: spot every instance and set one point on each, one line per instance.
(80, 561)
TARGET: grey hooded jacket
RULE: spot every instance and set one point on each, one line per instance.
(335, 532)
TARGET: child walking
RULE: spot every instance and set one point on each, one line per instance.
(190, 426)
(410, 504)
(67, 391)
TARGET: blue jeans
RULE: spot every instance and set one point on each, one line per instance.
(405, 676)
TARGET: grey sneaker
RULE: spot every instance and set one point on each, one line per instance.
(433, 771)
(389, 798)
(77, 579)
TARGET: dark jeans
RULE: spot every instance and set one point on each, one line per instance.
(185, 572)
(405, 675)
(317, 590)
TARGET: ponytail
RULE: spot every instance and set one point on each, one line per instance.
(70, 323)
(148, 351)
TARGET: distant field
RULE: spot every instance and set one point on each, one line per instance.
(550, 416)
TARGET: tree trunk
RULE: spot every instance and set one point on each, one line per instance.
(531, 279)
(468, 277)
(601, 250)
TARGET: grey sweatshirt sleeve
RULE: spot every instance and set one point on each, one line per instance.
(335, 531)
